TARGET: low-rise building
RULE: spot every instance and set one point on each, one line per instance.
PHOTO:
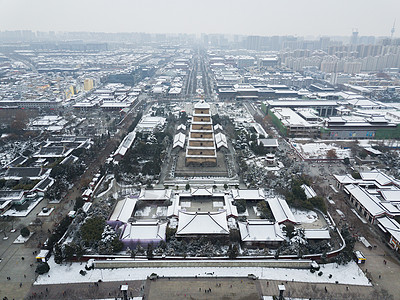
(260, 233)
(375, 195)
(293, 125)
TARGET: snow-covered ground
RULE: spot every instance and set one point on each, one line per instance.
(186, 203)
(161, 211)
(320, 150)
(304, 216)
(218, 204)
(145, 212)
(349, 274)
(21, 240)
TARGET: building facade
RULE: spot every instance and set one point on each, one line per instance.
(201, 149)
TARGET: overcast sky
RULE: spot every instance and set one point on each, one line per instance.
(249, 17)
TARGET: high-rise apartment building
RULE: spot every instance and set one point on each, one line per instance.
(88, 84)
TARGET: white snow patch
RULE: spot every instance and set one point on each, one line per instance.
(320, 150)
(186, 203)
(304, 216)
(21, 240)
(349, 274)
(257, 213)
(145, 212)
(218, 204)
(161, 211)
(340, 213)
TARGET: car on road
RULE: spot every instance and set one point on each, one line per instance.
(252, 276)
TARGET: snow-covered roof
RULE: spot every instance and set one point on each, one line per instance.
(220, 140)
(372, 150)
(231, 210)
(268, 142)
(158, 89)
(4, 204)
(260, 130)
(123, 210)
(202, 223)
(362, 103)
(290, 118)
(202, 105)
(345, 179)
(86, 206)
(173, 209)
(150, 122)
(125, 144)
(281, 211)
(69, 160)
(157, 195)
(144, 231)
(260, 231)
(175, 91)
(201, 191)
(377, 176)
(390, 208)
(309, 191)
(115, 104)
(317, 234)
(14, 195)
(33, 173)
(181, 127)
(248, 194)
(391, 195)
(179, 140)
(392, 226)
(218, 127)
(368, 201)
(44, 184)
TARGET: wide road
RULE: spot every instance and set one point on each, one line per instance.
(206, 78)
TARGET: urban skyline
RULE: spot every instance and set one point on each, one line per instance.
(307, 18)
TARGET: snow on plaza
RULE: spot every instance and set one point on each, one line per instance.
(319, 150)
(349, 274)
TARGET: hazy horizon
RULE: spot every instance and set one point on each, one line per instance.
(253, 17)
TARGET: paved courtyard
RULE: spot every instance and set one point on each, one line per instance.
(101, 290)
(224, 289)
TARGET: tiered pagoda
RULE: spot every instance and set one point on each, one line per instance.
(201, 149)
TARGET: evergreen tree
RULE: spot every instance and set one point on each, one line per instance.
(149, 252)
(25, 232)
(233, 251)
(58, 257)
(42, 268)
